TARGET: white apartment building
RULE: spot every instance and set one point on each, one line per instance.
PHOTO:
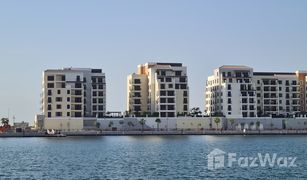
(237, 91)
(73, 98)
(231, 92)
(158, 88)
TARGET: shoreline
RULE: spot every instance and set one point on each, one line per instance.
(156, 133)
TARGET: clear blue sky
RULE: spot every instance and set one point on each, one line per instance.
(118, 35)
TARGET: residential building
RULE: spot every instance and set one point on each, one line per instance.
(238, 91)
(159, 89)
(73, 98)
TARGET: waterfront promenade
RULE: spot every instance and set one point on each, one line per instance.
(157, 133)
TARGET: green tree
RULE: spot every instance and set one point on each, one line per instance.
(5, 122)
(158, 121)
(142, 123)
(217, 122)
(194, 112)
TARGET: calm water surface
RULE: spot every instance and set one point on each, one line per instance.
(149, 157)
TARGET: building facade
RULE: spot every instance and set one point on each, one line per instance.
(158, 88)
(72, 97)
(237, 91)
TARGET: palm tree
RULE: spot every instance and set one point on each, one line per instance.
(158, 121)
(130, 124)
(258, 125)
(217, 122)
(97, 125)
(232, 122)
(5, 122)
(142, 123)
(111, 124)
(271, 126)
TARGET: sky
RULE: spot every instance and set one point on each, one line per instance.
(117, 35)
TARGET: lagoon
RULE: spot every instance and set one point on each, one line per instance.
(145, 157)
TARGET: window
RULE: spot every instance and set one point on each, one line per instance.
(78, 107)
(100, 86)
(100, 93)
(162, 93)
(78, 85)
(78, 100)
(162, 86)
(178, 73)
(171, 107)
(183, 86)
(68, 91)
(100, 108)
(100, 100)
(170, 93)
(49, 114)
(163, 100)
(58, 99)
(185, 100)
(58, 114)
(59, 91)
(171, 100)
(94, 93)
(137, 81)
(94, 100)
(68, 106)
(182, 79)
(68, 99)
(78, 114)
(49, 107)
(68, 114)
(50, 78)
(137, 101)
(170, 86)
(50, 85)
(185, 93)
(137, 88)
(168, 79)
(78, 92)
(49, 100)
(99, 79)
(49, 93)
(58, 106)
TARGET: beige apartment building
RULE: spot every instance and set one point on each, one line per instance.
(72, 98)
(159, 89)
(238, 91)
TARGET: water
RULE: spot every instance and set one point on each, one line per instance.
(150, 157)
